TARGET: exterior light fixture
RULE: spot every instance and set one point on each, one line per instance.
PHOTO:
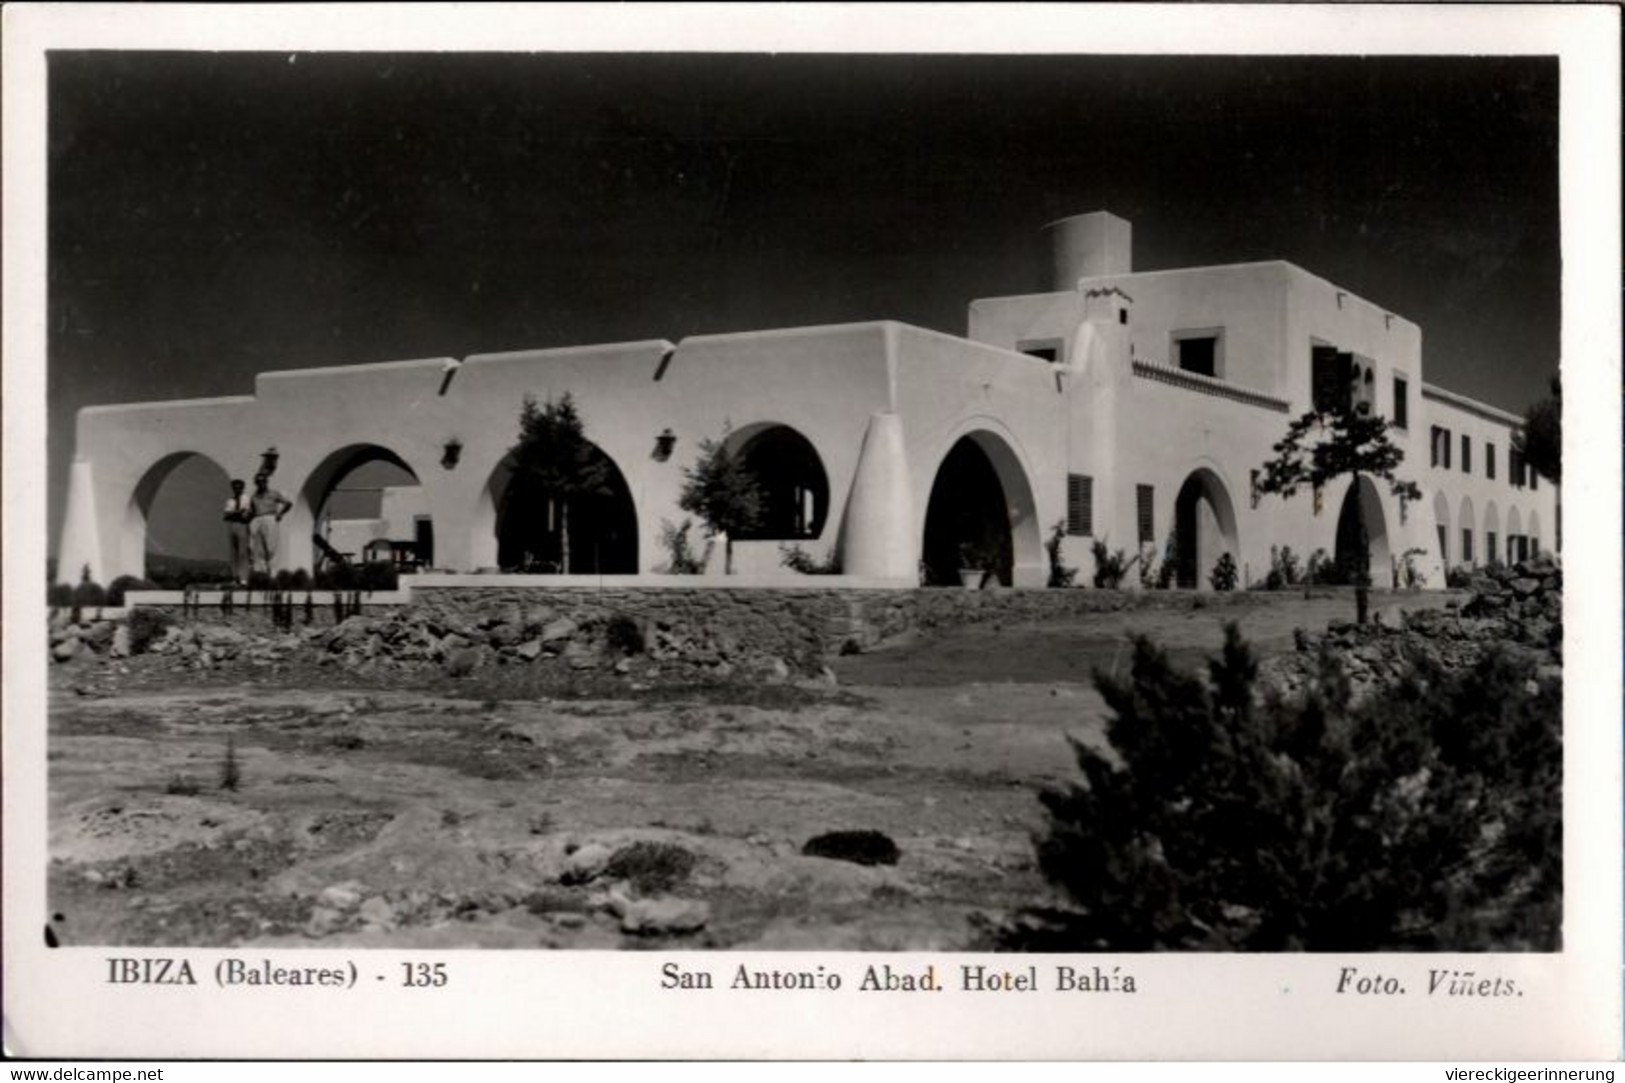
(451, 452)
(664, 444)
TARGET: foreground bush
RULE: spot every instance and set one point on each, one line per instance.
(1425, 818)
(145, 626)
(125, 583)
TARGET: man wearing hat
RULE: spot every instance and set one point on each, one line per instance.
(266, 509)
(237, 515)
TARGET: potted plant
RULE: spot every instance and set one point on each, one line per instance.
(973, 565)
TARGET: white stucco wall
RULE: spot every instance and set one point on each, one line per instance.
(1472, 497)
(881, 401)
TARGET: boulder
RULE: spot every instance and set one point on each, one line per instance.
(585, 863)
(66, 650)
(530, 650)
(120, 646)
(344, 896)
(555, 630)
(666, 916)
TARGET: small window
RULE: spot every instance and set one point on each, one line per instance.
(1466, 546)
(1048, 349)
(1199, 355)
(1489, 461)
(1444, 544)
(1515, 468)
(1080, 505)
(1201, 352)
(1534, 478)
(1144, 494)
(1402, 406)
(1466, 454)
(1122, 315)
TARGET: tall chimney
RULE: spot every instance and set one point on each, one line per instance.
(1090, 245)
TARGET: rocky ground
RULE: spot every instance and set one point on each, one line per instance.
(360, 785)
(1517, 607)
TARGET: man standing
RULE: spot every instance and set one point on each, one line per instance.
(267, 507)
(236, 516)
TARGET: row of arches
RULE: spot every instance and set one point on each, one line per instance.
(173, 515)
(980, 512)
(1466, 537)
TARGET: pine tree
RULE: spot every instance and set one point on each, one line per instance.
(1329, 442)
(1540, 441)
(723, 492)
(554, 452)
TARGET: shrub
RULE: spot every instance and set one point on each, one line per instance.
(650, 867)
(1322, 571)
(1111, 567)
(1425, 818)
(1224, 574)
(378, 575)
(124, 584)
(675, 540)
(59, 596)
(1060, 574)
(89, 595)
(145, 626)
(1285, 570)
(863, 847)
(798, 559)
(625, 635)
(1460, 577)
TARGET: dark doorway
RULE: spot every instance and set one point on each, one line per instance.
(795, 491)
(1204, 528)
(602, 527)
(967, 522)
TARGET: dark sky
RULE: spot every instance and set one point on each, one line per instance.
(217, 215)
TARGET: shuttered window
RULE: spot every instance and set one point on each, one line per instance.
(1144, 495)
(1489, 461)
(1466, 454)
(1402, 406)
(1080, 505)
(1330, 378)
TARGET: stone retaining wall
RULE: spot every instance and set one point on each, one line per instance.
(799, 621)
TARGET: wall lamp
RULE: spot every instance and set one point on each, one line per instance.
(664, 444)
(451, 452)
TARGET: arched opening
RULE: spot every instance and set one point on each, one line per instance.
(1534, 533)
(1362, 502)
(980, 515)
(1494, 552)
(366, 505)
(1204, 528)
(543, 530)
(1517, 545)
(795, 490)
(1441, 520)
(173, 531)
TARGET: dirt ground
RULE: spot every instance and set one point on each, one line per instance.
(454, 816)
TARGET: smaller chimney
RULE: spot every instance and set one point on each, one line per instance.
(1088, 246)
